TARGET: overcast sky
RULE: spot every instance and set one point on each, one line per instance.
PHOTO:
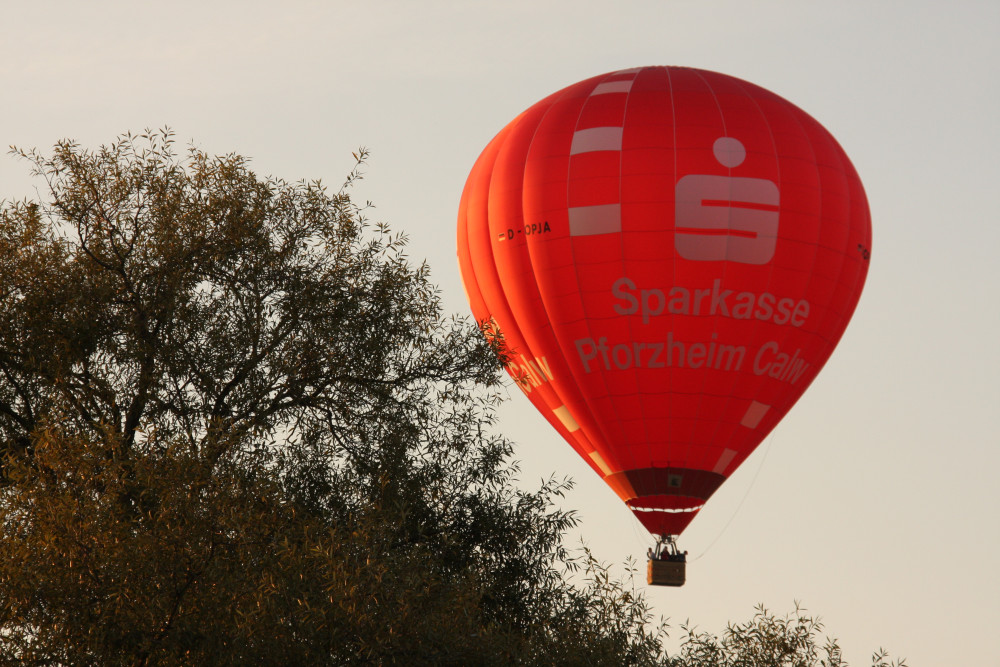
(874, 502)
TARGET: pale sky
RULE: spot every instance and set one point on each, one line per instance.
(873, 503)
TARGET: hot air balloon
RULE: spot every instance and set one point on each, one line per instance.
(670, 256)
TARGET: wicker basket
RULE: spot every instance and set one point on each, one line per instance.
(665, 573)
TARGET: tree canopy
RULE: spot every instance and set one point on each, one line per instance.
(237, 428)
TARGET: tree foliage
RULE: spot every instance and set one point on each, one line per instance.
(236, 428)
(767, 640)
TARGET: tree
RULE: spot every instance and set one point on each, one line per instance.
(236, 428)
(767, 640)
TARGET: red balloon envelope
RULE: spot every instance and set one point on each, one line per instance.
(671, 256)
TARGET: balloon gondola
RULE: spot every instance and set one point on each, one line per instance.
(670, 256)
